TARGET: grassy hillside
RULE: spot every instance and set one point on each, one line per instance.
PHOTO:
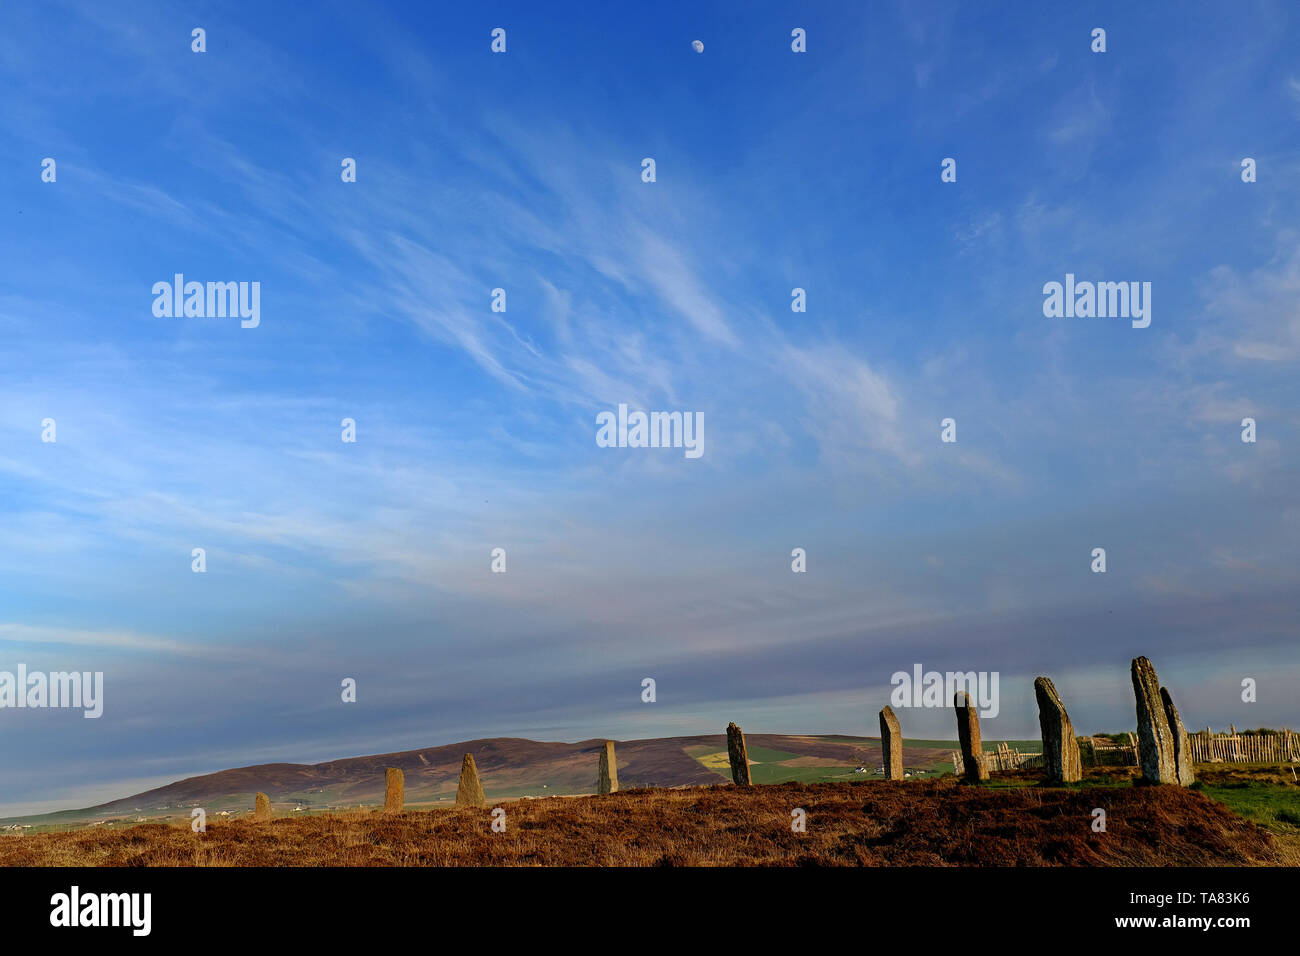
(511, 768)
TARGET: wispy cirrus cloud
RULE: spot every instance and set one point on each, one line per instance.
(476, 428)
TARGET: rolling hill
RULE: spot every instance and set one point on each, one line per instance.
(511, 768)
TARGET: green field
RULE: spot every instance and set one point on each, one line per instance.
(990, 743)
(1271, 806)
(1026, 746)
(1268, 803)
(765, 767)
(767, 770)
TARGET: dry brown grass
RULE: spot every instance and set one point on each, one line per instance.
(933, 822)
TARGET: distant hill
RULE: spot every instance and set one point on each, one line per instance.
(511, 767)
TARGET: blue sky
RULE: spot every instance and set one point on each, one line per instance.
(476, 429)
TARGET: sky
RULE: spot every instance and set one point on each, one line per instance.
(476, 429)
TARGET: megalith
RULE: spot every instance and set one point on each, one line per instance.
(1061, 760)
(394, 788)
(891, 743)
(738, 756)
(1182, 746)
(1155, 738)
(607, 779)
(262, 807)
(968, 732)
(470, 791)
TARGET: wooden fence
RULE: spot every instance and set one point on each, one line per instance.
(1208, 747)
(1002, 758)
(1107, 751)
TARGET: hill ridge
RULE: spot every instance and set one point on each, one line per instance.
(512, 767)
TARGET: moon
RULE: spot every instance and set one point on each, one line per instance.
(698, 45)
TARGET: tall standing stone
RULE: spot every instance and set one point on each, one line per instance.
(1155, 738)
(1061, 760)
(262, 807)
(470, 791)
(891, 742)
(607, 780)
(1182, 746)
(739, 757)
(968, 732)
(394, 788)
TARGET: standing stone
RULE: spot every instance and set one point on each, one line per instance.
(394, 788)
(1155, 739)
(891, 742)
(470, 791)
(1061, 760)
(972, 745)
(262, 807)
(739, 757)
(1182, 746)
(607, 781)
